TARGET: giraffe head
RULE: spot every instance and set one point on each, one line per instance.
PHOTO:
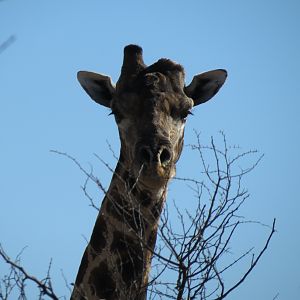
(150, 105)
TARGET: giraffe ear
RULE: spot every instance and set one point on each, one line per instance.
(204, 86)
(99, 87)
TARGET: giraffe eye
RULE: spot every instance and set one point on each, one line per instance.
(181, 114)
(184, 114)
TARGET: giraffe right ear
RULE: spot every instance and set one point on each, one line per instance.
(204, 86)
(99, 87)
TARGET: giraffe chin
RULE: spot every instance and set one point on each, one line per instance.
(155, 175)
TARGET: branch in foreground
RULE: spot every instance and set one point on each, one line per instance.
(193, 250)
(191, 258)
(253, 263)
(18, 276)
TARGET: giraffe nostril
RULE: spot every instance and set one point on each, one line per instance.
(165, 156)
(146, 155)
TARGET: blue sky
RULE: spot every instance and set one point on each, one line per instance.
(42, 107)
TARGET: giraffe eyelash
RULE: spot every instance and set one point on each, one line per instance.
(117, 115)
(184, 115)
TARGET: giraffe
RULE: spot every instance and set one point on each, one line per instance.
(150, 105)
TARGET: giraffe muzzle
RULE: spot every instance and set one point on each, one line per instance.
(150, 157)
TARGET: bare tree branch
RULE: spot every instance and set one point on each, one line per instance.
(192, 256)
(18, 276)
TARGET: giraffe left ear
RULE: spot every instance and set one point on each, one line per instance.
(99, 87)
(204, 86)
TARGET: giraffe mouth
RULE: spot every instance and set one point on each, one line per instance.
(155, 173)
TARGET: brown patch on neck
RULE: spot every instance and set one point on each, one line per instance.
(98, 238)
(130, 257)
(105, 285)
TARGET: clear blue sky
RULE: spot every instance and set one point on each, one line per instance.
(42, 107)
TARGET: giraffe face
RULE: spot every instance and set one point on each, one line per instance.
(151, 113)
(150, 105)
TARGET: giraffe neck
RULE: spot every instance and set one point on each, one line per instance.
(116, 262)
